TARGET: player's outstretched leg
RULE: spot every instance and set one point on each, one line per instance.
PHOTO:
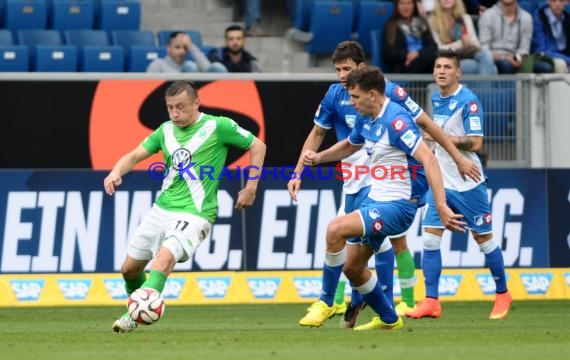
(125, 323)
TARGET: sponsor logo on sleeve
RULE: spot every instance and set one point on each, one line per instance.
(536, 283)
(214, 287)
(308, 287)
(475, 123)
(173, 288)
(449, 284)
(398, 124)
(412, 105)
(409, 138)
(263, 288)
(401, 92)
(27, 290)
(473, 107)
(74, 289)
(116, 288)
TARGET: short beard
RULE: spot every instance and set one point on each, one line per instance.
(235, 52)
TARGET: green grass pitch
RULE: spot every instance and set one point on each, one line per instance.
(534, 330)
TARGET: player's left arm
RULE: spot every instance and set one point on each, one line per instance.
(465, 166)
(246, 196)
(468, 142)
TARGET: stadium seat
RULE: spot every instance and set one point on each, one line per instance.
(527, 5)
(331, 23)
(14, 58)
(118, 15)
(101, 59)
(127, 38)
(24, 14)
(86, 37)
(376, 48)
(303, 14)
(71, 14)
(372, 15)
(139, 57)
(47, 52)
(6, 37)
(164, 36)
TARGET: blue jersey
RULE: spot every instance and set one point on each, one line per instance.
(391, 140)
(335, 111)
(459, 114)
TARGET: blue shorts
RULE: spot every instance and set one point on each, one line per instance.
(385, 218)
(472, 204)
(352, 202)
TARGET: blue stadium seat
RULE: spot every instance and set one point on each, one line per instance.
(164, 36)
(126, 38)
(118, 15)
(24, 14)
(6, 37)
(86, 37)
(48, 58)
(14, 58)
(139, 57)
(331, 23)
(527, 5)
(376, 48)
(372, 15)
(303, 14)
(101, 59)
(71, 14)
(47, 52)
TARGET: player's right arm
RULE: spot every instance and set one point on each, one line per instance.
(123, 166)
(313, 143)
(338, 151)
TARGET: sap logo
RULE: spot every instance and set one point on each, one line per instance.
(487, 283)
(116, 289)
(567, 277)
(397, 289)
(74, 289)
(308, 287)
(448, 284)
(27, 290)
(536, 283)
(173, 288)
(264, 288)
(214, 287)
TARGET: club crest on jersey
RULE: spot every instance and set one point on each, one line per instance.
(377, 226)
(473, 108)
(373, 214)
(401, 92)
(398, 124)
(181, 158)
(482, 219)
(350, 120)
(452, 104)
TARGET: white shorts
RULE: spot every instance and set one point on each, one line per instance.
(159, 225)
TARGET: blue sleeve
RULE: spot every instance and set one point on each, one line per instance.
(404, 133)
(473, 117)
(400, 96)
(324, 116)
(355, 137)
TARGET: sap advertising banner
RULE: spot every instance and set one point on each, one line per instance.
(61, 222)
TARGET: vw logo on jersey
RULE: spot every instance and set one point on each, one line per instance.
(452, 104)
(181, 158)
(350, 120)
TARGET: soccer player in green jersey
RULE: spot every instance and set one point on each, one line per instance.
(182, 216)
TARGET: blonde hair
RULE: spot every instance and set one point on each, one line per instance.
(441, 19)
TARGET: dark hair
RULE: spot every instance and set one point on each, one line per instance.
(173, 35)
(180, 86)
(367, 78)
(349, 50)
(392, 23)
(449, 54)
(234, 27)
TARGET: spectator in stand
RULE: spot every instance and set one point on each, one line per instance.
(252, 10)
(551, 34)
(407, 43)
(452, 28)
(175, 61)
(506, 30)
(233, 56)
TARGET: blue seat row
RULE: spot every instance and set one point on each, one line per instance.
(70, 14)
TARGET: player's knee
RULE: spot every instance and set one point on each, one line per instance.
(173, 244)
(335, 237)
(431, 241)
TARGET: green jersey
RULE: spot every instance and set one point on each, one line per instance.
(195, 157)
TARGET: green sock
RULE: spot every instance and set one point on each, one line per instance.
(406, 269)
(339, 294)
(133, 284)
(155, 281)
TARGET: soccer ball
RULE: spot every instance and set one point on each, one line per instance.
(145, 306)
